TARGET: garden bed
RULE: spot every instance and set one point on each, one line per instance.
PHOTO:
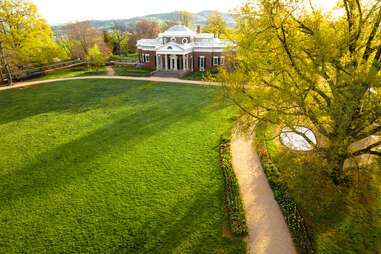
(233, 200)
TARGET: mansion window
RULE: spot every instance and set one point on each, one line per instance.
(146, 58)
(218, 60)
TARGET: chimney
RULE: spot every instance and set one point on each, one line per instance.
(198, 29)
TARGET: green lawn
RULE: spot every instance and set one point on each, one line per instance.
(74, 72)
(112, 166)
(339, 220)
(131, 71)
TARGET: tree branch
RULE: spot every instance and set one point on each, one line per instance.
(368, 149)
(368, 49)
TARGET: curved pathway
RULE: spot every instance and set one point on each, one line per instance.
(268, 232)
(154, 79)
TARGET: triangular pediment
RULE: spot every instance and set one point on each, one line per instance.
(171, 46)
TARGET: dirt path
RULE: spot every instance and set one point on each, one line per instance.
(110, 71)
(268, 232)
(154, 79)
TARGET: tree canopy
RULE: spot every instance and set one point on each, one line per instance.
(295, 65)
(184, 18)
(118, 38)
(25, 38)
(147, 29)
(95, 57)
(215, 24)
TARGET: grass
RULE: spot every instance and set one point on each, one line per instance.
(339, 221)
(131, 71)
(112, 166)
(74, 72)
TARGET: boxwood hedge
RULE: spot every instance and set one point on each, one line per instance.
(236, 212)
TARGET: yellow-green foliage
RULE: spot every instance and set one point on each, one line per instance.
(339, 219)
(95, 57)
(25, 35)
(215, 24)
(293, 66)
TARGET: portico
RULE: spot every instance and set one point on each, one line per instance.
(172, 57)
(172, 62)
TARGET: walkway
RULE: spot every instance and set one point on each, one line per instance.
(154, 79)
(268, 232)
(110, 71)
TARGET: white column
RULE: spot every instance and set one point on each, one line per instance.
(157, 62)
(184, 67)
(166, 62)
(175, 63)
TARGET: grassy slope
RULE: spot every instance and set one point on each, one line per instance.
(112, 166)
(75, 72)
(131, 71)
(354, 228)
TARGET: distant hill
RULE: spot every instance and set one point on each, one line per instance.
(198, 19)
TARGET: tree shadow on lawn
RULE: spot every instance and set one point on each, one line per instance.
(82, 95)
(73, 160)
(187, 228)
(74, 95)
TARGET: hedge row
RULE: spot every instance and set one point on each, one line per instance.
(288, 206)
(236, 212)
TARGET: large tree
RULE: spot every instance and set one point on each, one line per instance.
(183, 18)
(215, 24)
(294, 65)
(82, 36)
(119, 39)
(147, 29)
(84, 33)
(25, 38)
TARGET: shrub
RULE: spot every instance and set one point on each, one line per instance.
(236, 212)
(95, 57)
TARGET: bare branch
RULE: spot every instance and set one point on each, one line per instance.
(368, 150)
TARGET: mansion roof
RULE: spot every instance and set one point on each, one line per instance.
(179, 30)
(182, 39)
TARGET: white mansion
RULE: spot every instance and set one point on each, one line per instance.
(183, 50)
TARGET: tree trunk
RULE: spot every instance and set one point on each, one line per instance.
(337, 172)
(336, 157)
(5, 64)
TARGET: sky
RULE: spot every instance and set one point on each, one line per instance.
(63, 11)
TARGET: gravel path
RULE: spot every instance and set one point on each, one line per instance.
(268, 232)
(110, 71)
(154, 79)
